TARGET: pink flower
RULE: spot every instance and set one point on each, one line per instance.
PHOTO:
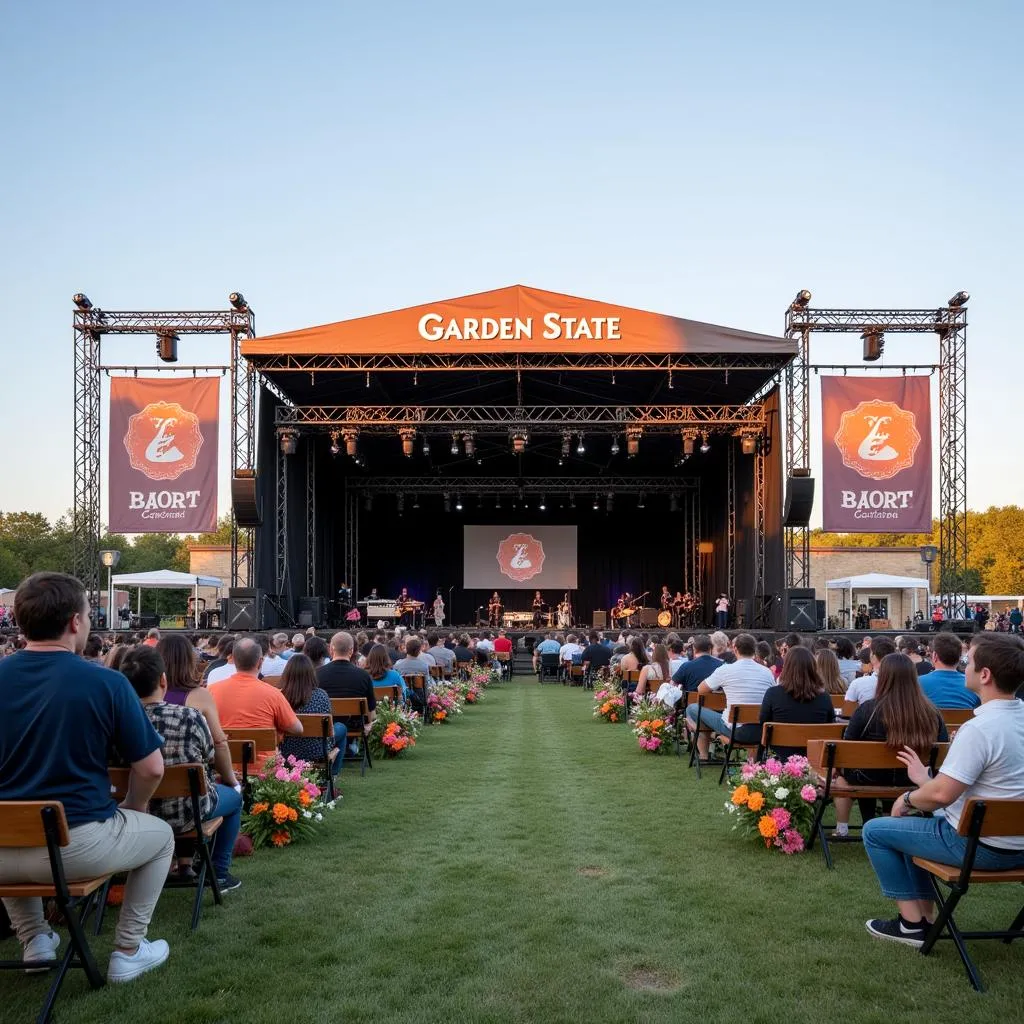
(809, 793)
(312, 789)
(792, 841)
(281, 775)
(749, 770)
(773, 766)
(295, 776)
(782, 817)
(291, 759)
(794, 771)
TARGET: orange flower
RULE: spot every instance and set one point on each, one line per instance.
(740, 795)
(658, 723)
(281, 813)
(280, 838)
(767, 826)
(259, 808)
(304, 798)
(440, 716)
(756, 801)
(293, 815)
(613, 718)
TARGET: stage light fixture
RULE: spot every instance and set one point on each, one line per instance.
(581, 448)
(447, 502)
(689, 442)
(615, 445)
(469, 440)
(874, 344)
(566, 442)
(237, 300)
(455, 444)
(351, 438)
(415, 501)
(542, 506)
(609, 503)
(572, 501)
(408, 436)
(368, 503)
(458, 503)
(426, 445)
(705, 445)
(959, 300)
(400, 501)
(167, 347)
(671, 386)
(748, 444)
(497, 502)
(289, 440)
(335, 443)
(803, 297)
(595, 505)
(641, 500)
(633, 441)
(673, 503)
(81, 300)
(519, 441)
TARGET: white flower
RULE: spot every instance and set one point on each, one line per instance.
(773, 780)
(330, 805)
(306, 814)
(319, 817)
(781, 793)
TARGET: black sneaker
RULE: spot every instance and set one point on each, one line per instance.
(897, 930)
(229, 883)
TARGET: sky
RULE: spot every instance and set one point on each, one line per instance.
(339, 159)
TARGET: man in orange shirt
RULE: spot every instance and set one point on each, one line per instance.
(244, 701)
(152, 638)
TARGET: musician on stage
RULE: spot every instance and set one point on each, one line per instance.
(538, 609)
(439, 610)
(494, 608)
(564, 613)
(406, 608)
(666, 599)
(619, 611)
(721, 611)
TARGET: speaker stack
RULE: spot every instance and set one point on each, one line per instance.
(801, 609)
(240, 610)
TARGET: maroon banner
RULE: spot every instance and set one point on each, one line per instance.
(877, 454)
(163, 454)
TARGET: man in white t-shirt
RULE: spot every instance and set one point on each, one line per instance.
(743, 682)
(273, 663)
(985, 760)
(863, 689)
(222, 672)
(569, 649)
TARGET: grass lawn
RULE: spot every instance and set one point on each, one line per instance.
(528, 863)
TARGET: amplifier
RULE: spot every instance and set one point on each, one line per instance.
(513, 619)
(381, 610)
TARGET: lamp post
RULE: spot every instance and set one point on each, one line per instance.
(110, 560)
(928, 555)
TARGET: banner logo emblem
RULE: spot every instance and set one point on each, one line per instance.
(163, 440)
(877, 439)
(520, 557)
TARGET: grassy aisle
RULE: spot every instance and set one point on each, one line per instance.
(529, 864)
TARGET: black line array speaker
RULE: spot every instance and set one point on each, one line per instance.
(801, 609)
(240, 610)
(311, 606)
(799, 501)
(243, 501)
(599, 620)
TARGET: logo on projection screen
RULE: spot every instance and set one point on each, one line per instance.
(520, 557)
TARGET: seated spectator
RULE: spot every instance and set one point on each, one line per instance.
(568, 652)
(152, 638)
(549, 645)
(298, 641)
(315, 648)
(863, 689)
(224, 645)
(340, 678)
(413, 664)
(763, 656)
(799, 698)
(898, 715)
(187, 739)
(60, 717)
(378, 664)
(244, 701)
(721, 647)
(655, 672)
(502, 644)
(442, 656)
(304, 696)
(849, 662)
(596, 655)
(274, 661)
(676, 658)
(743, 682)
(93, 648)
(830, 672)
(946, 686)
(912, 649)
(985, 761)
(693, 673)
(635, 658)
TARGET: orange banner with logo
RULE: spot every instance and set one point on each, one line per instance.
(163, 454)
(877, 454)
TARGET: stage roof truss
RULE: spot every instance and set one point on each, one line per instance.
(579, 485)
(890, 321)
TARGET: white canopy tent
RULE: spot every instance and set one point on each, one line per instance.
(166, 579)
(881, 581)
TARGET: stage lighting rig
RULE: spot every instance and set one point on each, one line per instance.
(543, 505)
(581, 448)
(368, 503)
(615, 445)
(167, 347)
(81, 300)
(447, 502)
(408, 436)
(469, 441)
(288, 438)
(237, 300)
(748, 444)
(400, 500)
(351, 438)
(705, 445)
(803, 298)
(566, 444)
(609, 502)
(426, 445)
(874, 344)
(455, 444)
(640, 501)
(458, 503)
(596, 504)
(689, 442)
(335, 443)
(959, 300)
(519, 441)
(633, 441)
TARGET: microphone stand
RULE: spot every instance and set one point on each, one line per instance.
(451, 609)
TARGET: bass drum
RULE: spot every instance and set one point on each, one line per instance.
(664, 618)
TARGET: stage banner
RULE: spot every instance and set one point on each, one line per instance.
(163, 454)
(877, 454)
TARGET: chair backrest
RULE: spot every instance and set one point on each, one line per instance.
(549, 659)
(350, 707)
(243, 753)
(862, 754)
(177, 781)
(462, 666)
(715, 701)
(22, 823)
(848, 707)
(1001, 817)
(503, 655)
(576, 671)
(838, 700)
(436, 672)
(631, 676)
(743, 714)
(273, 680)
(264, 741)
(390, 693)
(954, 717)
(788, 734)
(415, 682)
(317, 726)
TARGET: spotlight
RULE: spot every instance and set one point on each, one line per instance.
(542, 506)
(426, 445)
(458, 503)
(400, 501)
(581, 448)
(368, 503)
(497, 502)
(81, 301)
(609, 502)
(748, 444)
(447, 502)
(633, 441)
(415, 501)
(351, 443)
(237, 300)
(671, 386)
(689, 442)
(615, 445)
(705, 445)
(335, 445)
(803, 297)
(958, 300)
(519, 441)
(289, 440)
(408, 436)
(455, 444)
(595, 505)
(874, 344)
(167, 347)
(572, 501)
(640, 503)
(469, 440)
(673, 503)
(566, 442)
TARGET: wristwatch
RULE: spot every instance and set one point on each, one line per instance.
(906, 802)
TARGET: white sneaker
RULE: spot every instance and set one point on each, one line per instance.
(123, 967)
(41, 948)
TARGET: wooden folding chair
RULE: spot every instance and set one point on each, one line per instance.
(629, 682)
(955, 717)
(418, 689)
(188, 781)
(847, 708)
(576, 675)
(26, 824)
(978, 820)
(462, 669)
(838, 700)
(739, 714)
(793, 735)
(713, 702)
(389, 693)
(348, 708)
(436, 673)
(243, 755)
(322, 727)
(504, 659)
(827, 756)
(274, 681)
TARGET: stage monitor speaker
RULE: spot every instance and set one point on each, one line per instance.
(244, 503)
(648, 616)
(313, 606)
(599, 620)
(922, 627)
(801, 609)
(305, 619)
(799, 501)
(242, 592)
(958, 626)
(241, 614)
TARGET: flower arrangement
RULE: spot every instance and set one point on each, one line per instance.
(653, 724)
(471, 690)
(484, 676)
(609, 704)
(443, 703)
(775, 802)
(286, 802)
(394, 729)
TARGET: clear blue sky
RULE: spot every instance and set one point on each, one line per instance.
(337, 159)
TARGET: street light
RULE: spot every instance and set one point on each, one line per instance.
(110, 560)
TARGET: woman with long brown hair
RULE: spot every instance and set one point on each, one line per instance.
(830, 672)
(378, 664)
(656, 671)
(799, 698)
(300, 688)
(899, 715)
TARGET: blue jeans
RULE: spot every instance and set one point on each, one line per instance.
(229, 807)
(891, 843)
(712, 720)
(340, 739)
(721, 620)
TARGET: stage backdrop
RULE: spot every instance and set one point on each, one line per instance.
(163, 454)
(877, 454)
(519, 557)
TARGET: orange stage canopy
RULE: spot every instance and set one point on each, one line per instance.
(515, 319)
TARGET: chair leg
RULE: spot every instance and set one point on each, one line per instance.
(1018, 925)
(79, 944)
(945, 922)
(101, 909)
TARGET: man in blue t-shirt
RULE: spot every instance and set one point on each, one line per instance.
(549, 645)
(61, 717)
(945, 686)
(691, 674)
